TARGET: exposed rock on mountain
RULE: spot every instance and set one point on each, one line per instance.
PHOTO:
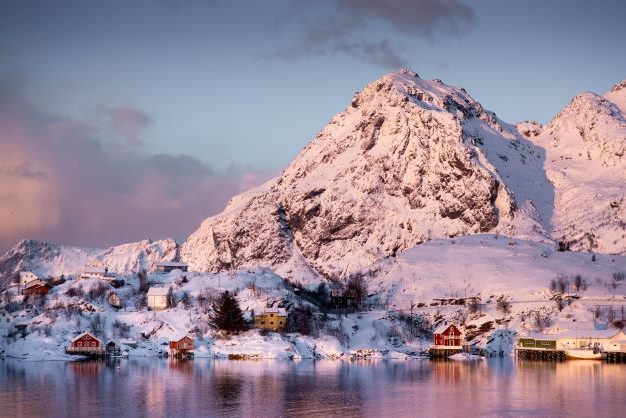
(409, 160)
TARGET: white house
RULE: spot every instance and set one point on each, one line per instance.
(94, 271)
(27, 277)
(157, 298)
(606, 339)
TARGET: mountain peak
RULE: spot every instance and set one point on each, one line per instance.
(619, 86)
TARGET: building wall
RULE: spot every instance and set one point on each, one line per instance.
(86, 341)
(157, 302)
(270, 321)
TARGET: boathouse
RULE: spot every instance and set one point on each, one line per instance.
(167, 266)
(272, 319)
(86, 344)
(181, 348)
(449, 337)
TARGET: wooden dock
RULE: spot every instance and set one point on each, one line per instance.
(540, 354)
(443, 352)
(616, 357)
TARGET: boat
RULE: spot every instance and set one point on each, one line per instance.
(583, 354)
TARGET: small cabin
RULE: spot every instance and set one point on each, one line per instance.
(94, 271)
(35, 288)
(113, 349)
(27, 277)
(341, 299)
(182, 347)
(272, 319)
(86, 343)
(449, 337)
(115, 301)
(167, 266)
(157, 298)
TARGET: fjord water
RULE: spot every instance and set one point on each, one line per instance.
(160, 388)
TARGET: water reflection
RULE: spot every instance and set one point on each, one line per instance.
(160, 388)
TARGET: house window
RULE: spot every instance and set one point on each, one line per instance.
(79, 344)
(93, 344)
(271, 322)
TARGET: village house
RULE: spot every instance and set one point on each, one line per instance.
(448, 337)
(167, 266)
(86, 343)
(340, 298)
(35, 288)
(157, 298)
(27, 277)
(272, 319)
(181, 348)
(115, 301)
(95, 271)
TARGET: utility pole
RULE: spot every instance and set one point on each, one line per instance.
(412, 306)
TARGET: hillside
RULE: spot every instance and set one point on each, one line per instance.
(439, 278)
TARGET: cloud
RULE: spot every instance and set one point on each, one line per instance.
(126, 122)
(60, 182)
(348, 29)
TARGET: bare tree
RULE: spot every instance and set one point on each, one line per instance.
(142, 276)
(357, 288)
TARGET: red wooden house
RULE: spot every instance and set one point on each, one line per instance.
(449, 336)
(182, 347)
(86, 343)
(35, 288)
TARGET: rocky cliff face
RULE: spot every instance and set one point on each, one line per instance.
(409, 160)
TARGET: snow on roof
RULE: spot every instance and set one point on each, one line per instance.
(170, 264)
(279, 311)
(34, 283)
(441, 328)
(158, 291)
(579, 333)
(84, 334)
(27, 274)
(95, 270)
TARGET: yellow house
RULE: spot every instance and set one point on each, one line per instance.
(273, 319)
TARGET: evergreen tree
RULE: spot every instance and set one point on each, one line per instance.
(227, 314)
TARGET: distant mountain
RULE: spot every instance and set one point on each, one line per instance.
(51, 259)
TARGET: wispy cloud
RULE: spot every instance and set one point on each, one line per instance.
(59, 182)
(347, 29)
(126, 122)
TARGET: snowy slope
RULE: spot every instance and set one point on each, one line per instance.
(585, 160)
(409, 160)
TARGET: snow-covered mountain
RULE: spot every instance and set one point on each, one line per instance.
(409, 160)
(585, 162)
(46, 259)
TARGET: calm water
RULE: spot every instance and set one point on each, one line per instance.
(158, 388)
